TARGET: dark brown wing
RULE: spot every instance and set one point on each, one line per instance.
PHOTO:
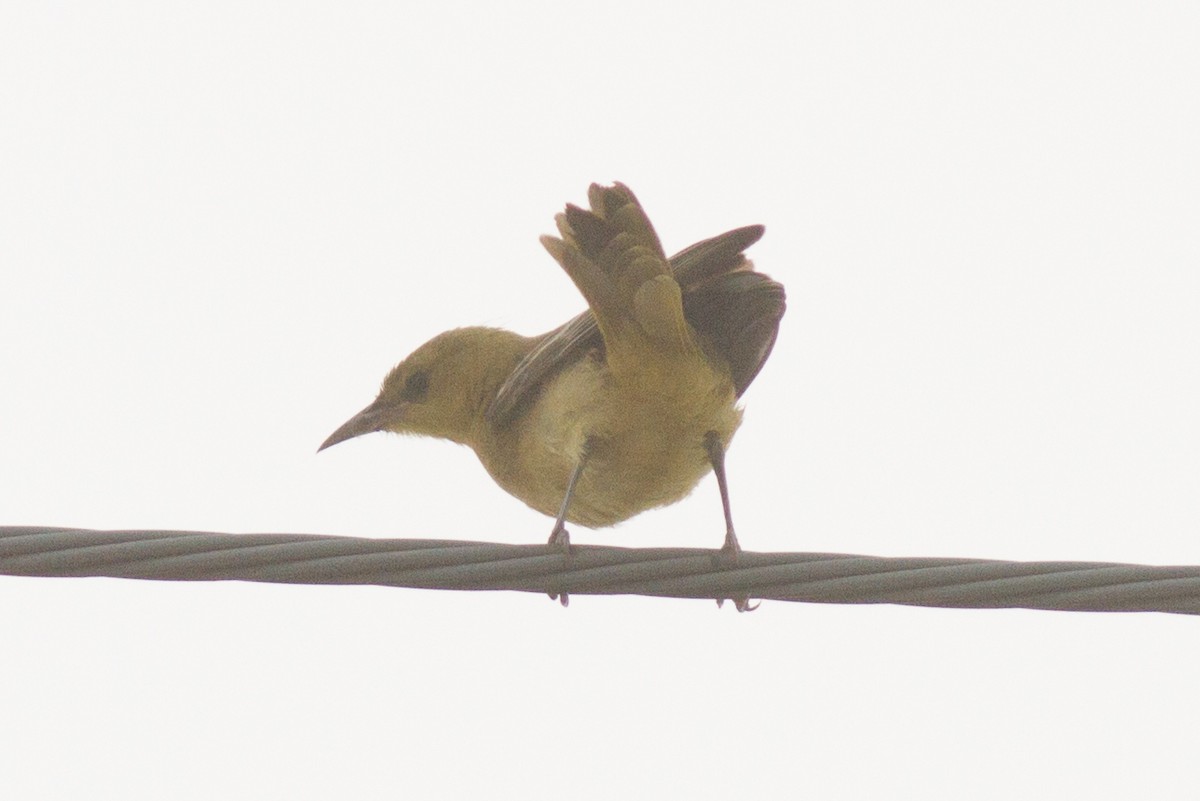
(698, 268)
(737, 315)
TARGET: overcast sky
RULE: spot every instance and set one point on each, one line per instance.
(222, 223)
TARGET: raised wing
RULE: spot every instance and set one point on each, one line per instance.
(710, 274)
(737, 315)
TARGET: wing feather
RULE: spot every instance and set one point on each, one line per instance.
(737, 317)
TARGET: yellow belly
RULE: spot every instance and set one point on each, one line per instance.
(642, 438)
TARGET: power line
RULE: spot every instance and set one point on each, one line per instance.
(598, 570)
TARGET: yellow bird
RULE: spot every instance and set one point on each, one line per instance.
(622, 409)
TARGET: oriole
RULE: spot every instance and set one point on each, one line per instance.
(622, 409)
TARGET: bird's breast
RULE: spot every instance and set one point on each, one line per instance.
(641, 439)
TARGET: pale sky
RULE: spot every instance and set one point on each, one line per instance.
(221, 224)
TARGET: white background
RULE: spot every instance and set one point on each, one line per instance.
(221, 224)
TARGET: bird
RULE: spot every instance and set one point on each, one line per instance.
(622, 409)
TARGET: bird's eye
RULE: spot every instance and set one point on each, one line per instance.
(416, 386)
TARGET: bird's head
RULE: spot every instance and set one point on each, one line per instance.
(441, 390)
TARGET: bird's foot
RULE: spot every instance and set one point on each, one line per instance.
(561, 538)
(740, 603)
(731, 549)
(729, 555)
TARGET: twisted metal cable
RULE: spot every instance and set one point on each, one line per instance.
(599, 570)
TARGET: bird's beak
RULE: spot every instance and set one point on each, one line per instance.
(372, 418)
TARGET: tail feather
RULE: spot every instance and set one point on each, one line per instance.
(744, 341)
(614, 257)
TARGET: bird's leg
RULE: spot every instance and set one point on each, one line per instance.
(716, 455)
(559, 536)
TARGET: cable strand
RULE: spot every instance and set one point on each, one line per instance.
(599, 570)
